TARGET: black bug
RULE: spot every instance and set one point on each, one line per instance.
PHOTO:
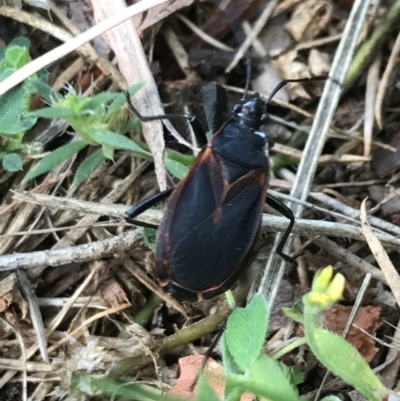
(213, 215)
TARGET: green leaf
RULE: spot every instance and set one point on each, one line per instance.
(88, 166)
(230, 365)
(132, 123)
(338, 355)
(117, 102)
(12, 162)
(5, 73)
(135, 87)
(53, 112)
(186, 160)
(2, 57)
(206, 392)
(17, 56)
(49, 94)
(296, 376)
(114, 140)
(344, 360)
(108, 152)
(269, 378)
(13, 111)
(177, 163)
(176, 168)
(21, 41)
(294, 314)
(15, 103)
(43, 75)
(149, 236)
(55, 158)
(246, 331)
(99, 100)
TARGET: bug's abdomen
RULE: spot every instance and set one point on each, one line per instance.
(210, 225)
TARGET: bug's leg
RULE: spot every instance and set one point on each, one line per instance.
(145, 204)
(285, 211)
(190, 118)
(208, 355)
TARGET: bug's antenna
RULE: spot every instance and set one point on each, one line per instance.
(287, 81)
(248, 73)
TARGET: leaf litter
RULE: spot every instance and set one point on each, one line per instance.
(298, 40)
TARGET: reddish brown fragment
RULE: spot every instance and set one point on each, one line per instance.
(213, 373)
(367, 318)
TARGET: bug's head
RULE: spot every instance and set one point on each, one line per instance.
(250, 112)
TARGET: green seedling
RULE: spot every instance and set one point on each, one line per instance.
(249, 369)
(338, 355)
(14, 106)
(100, 121)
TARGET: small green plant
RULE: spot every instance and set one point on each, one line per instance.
(149, 236)
(100, 121)
(249, 369)
(14, 106)
(338, 355)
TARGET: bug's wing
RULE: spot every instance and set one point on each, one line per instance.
(210, 225)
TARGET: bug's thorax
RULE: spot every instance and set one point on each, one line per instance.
(241, 143)
(250, 112)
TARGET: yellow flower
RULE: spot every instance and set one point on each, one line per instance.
(336, 288)
(322, 279)
(325, 289)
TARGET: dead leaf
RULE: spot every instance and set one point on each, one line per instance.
(266, 81)
(10, 294)
(388, 198)
(367, 318)
(386, 162)
(157, 14)
(5, 301)
(274, 37)
(8, 284)
(319, 62)
(214, 374)
(309, 19)
(113, 294)
(290, 67)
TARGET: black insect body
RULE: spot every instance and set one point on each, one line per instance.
(213, 215)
